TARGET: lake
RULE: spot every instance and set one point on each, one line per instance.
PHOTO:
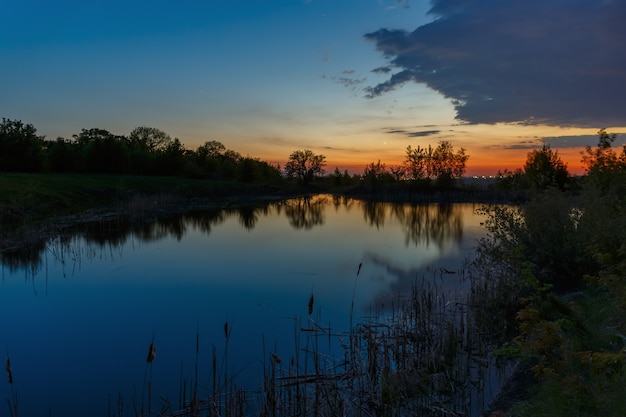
(79, 315)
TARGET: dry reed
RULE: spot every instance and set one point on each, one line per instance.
(425, 355)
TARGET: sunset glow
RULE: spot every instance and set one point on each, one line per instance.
(357, 81)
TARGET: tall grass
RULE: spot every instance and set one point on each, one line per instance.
(428, 354)
(424, 356)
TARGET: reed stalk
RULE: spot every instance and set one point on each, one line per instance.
(422, 355)
(12, 400)
(147, 379)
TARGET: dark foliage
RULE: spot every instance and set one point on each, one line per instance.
(146, 151)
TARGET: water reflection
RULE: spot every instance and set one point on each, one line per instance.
(248, 217)
(424, 224)
(306, 212)
(114, 284)
(436, 223)
(375, 213)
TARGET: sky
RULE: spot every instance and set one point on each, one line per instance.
(355, 80)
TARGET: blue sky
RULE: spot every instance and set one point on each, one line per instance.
(356, 80)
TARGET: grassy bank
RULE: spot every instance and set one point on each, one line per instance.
(27, 199)
(30, 198)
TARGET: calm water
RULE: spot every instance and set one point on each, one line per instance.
(78, 317)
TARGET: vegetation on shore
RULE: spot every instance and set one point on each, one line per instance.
(555, 267)
(42, 178)
(549, 284)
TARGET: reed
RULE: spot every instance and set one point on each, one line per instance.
(147, 380)
(425, 355)
(12, 400)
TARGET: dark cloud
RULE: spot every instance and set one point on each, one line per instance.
(571, 141)
(413, 134)
(578, 141)
(535, 61)
(560, 142)
(351, 82)
(343, 149)
(524, 144)
(424, 133)
(382, 70)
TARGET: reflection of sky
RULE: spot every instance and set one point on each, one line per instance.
(79, 331)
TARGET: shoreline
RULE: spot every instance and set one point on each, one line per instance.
(141, 207)
(145, 206)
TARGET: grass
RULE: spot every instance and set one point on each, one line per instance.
(37, 207)
(424, 356)
(29, 198)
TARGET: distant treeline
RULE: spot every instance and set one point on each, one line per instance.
(145, 151)
(150, 151)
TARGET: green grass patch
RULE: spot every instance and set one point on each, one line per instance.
(28, 198)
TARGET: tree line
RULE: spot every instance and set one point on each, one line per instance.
(441, 165)
(145, 151)
(150, 151)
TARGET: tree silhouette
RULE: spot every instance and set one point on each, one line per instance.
(305, 165)
(544, 168)
(20, 147)
(441, 163)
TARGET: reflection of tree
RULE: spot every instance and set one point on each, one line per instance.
(375, 213)
(172, 226)
(26, 257)
(204, 221)
(111, 232)
(114, 230)
(422, 223)
(248, 217)
(426, 223)
(305, 212)
(346, 202)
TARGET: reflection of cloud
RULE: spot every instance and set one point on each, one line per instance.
(538, 61)
(442, 278)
